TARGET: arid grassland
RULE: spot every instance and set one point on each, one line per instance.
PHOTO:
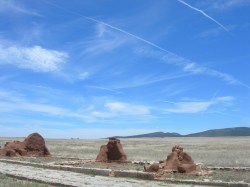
(223, 151)
(11, 182)
(214, 152)
(228, 151)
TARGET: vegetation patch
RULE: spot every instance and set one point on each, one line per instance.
(12, 182)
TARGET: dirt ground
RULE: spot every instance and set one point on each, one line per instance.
(76, 179)
(224, 152)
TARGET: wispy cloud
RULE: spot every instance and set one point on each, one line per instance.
(223, 4)
(83, 75)
(211, 32)
(122, 110)
(204, 14)
(145, 80)
(11, 101)
(172, 58)
(36, 58)
(104, 41)
(12, 6)
(48, 109)
(90, 111)
(105, 89)
(127, 109)
(111, 27)
(167, 56)
(194, 68)
(72, 132)
(197, 106)
(24, 122)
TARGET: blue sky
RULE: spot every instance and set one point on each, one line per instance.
(95, 68)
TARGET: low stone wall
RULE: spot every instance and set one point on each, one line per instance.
(90, 171)
(134, 174)
(125, 173)
(230, 168)
(39, 181)
(209, 183)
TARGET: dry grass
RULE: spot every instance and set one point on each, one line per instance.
(225, 151)
(228, 151)
(11, 182)
(226, 176)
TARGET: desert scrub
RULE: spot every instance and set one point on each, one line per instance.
(115, 166)
(215, 151)
(225, 176)
(11, 182)
(78, 148)
(232, 176)
(39, 160)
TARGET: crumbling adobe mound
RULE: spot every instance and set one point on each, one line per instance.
(33, 145)
(152, 168)
(177, 161)
(113, 151)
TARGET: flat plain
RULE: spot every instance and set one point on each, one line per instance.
(223, 151)
(213, 152)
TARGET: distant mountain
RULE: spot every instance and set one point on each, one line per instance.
(151, 135)
(237, 131)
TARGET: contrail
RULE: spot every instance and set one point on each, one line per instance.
(128, 33)
(204, 14)
(113, 27)
(208, 71)
(104, 88)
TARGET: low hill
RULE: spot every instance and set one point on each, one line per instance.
(150, 135)
(237, 131)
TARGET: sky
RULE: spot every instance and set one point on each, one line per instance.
(94, 68)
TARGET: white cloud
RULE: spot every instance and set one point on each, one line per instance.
(197, 106)
(116, 106)
(105, 89)
(70, 132)
(127, 109)
(99, 114)
(189, 107)
(224, 99)
(35, 58)
(104, 41)
(12, 6)
(101, 30)
(11, 106)
(211, 32)
(194, 68)
(84, 75)
(24, 122)
(215, 32)
(223, 4)
(107, 40)
(11, 102)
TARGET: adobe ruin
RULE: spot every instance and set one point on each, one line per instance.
(177, 161)
(33, 145)
(113, 151)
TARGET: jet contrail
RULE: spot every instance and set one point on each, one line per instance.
(113, 27)
(208, 71)
(204, 14)
(128, 33)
